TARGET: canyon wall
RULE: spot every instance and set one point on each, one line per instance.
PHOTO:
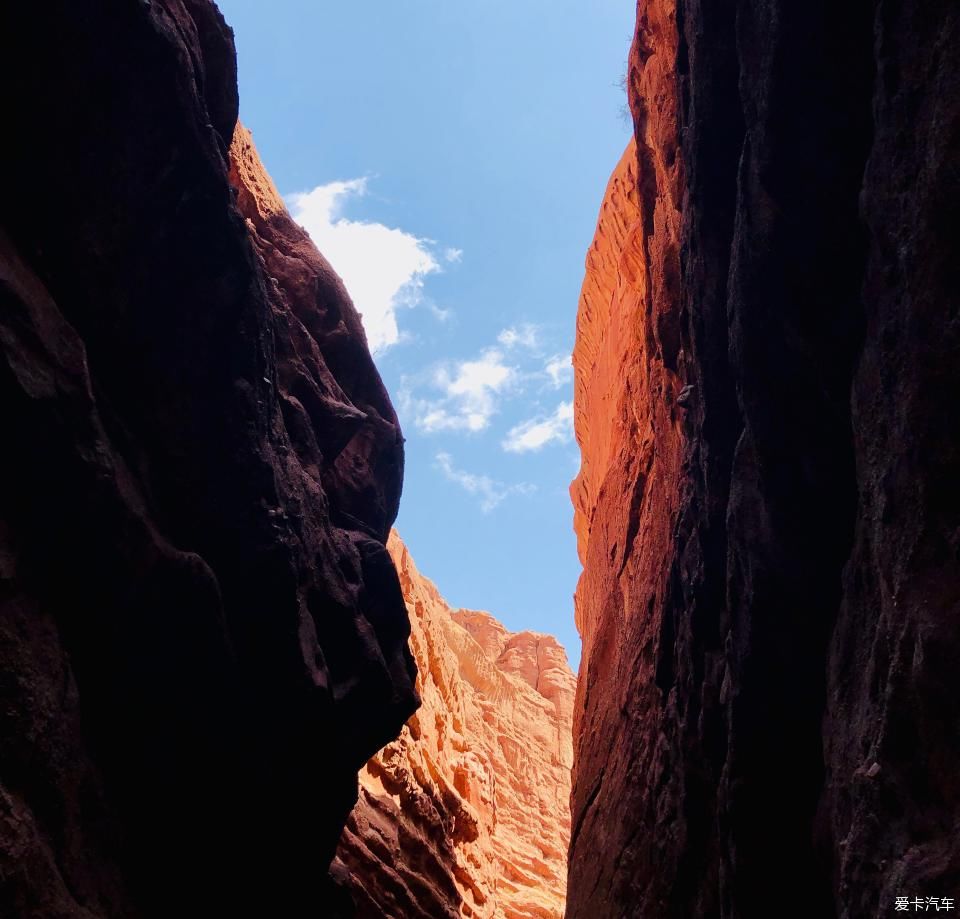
(467, 813)
(767, 720)
(202, 636)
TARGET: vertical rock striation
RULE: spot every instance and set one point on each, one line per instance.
(467, 813)
(202, 636)
(766, 510)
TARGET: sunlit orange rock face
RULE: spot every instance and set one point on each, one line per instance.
(467, 813)
(766, 341)
(630, 429)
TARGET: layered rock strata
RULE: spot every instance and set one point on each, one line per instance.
(467, 813)
(767, 511)
(202, 637)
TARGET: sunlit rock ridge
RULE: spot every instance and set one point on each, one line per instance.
(467, 813)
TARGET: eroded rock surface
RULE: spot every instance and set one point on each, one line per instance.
(767, 511)
(467, 812)
(202, 637)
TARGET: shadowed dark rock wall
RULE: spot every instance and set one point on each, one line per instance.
(202, 637)
(767, 510)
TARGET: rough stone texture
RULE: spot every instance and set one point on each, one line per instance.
(202, 637)
(767, 511)
(467, 812)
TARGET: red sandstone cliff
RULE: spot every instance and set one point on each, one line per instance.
(767, 510)
(467, 812)
(202, 637)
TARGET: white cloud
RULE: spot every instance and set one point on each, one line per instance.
(489, 491)
(537, 433)
(559, 369)
(522, 336)
(468, 394)
(453, 255)
(383, 268)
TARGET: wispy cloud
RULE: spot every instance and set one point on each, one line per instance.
(439, 313)
(559, 370)
(489, 491)
(536, 433)
(525, 335)
(465, 394)
(453, 255)
(382, 267)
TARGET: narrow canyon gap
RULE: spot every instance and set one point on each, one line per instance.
(206, 624)
(767, 510)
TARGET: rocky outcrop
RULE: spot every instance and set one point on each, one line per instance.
(467, 812)
(202, 637)
(766, 511)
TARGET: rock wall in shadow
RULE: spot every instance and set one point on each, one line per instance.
(766, 510)
(202, 636)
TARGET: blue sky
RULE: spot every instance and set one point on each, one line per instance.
(449, 159)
